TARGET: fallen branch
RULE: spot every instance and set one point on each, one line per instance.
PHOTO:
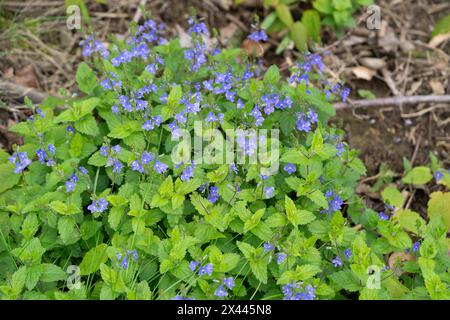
(18, 91)
(392, 101)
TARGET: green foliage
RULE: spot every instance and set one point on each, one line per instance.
(135, 229)
(336, 14)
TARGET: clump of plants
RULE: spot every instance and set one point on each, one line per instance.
(336, 14)
(106, 199)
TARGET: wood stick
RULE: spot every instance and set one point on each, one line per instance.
(18, 91)
(392, 101)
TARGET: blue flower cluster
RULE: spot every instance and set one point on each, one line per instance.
(296, 291)
(21, 160)
(125, 258)
(334, 202)
(304, 121)
(46, 158)
(91, 45)
(221, 291)
(202, 270)
(281, 256)
(98, 205)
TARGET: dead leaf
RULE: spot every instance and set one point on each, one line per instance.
(396, 261)
(437, 40)
(252, 48)
(414, 87)
(224, 4)
(437, 86)
(373, 63)
(227, 32)
(363, 73)
(25, 76)
(387, 39)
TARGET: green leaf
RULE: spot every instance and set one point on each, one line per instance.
(93, 259)
(439, 206)
(393, 197)
(323, 6)
(33, 274)
(51, 273)
(299, 35)
(115, 217)
(284, 14)
(68, 231)
(63, 208)
(254, 220)
(174, 96)
(8, 178)
(259, 269)
(346, 280)
(410, 220)
(296, 216)
(317, 141)
(272, 75)
(318, 198)
(86, 79)
(418, 176)
(87, 125)
(311, 21)
(246, 249)
(124, 129)
(31, 251)
(442, 26)
(357, 165)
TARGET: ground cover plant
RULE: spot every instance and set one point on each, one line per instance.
(102, 201)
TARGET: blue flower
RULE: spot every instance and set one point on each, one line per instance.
(268, 247)
(383, 216)
(334, 202)
(136, 166)
(213, 194)
(147, 157)
(41, 154)
(416, 247)
(104, 151)
(229, 282)
(21, 160)
(221, 292)
(438, 175)
(117, 149)
(117, 166)
(290, 168)
(124, 263)
(160, 167)
(83, 170)
(211, 117)
(51, 148)
(207, 269)
(234, 168)
(98, 205)
(281, 257)
(302, 124)
(180, 297)
(340, 148)
(187, 173)
(337, 262)
(344, 94)
(269, 191)
(134, 254)
(348, 253)
(258, 35)
(193, 265)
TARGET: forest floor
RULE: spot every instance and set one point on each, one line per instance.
(38, 51)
